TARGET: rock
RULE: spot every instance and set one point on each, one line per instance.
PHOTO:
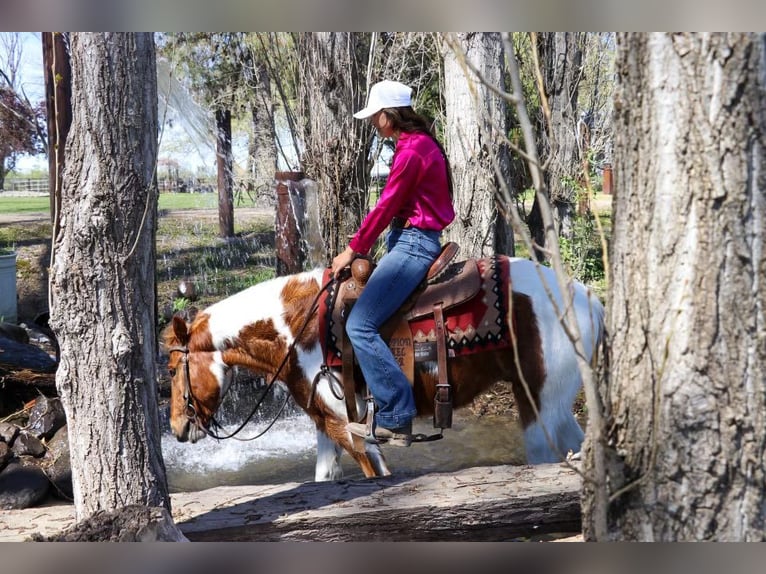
(15, 355)
(187, 289)
(8, 433)
(5, 454)
(134, 523)
(22, 486)
(59, 469)
(46, 417)
(27, 444)
(14, 332)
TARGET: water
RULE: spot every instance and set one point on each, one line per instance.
(287, 452)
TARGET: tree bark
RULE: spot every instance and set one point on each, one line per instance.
(561, 55)
(58, 104)
(103, 277)
(333, 68)
(687, 310)
(224, 162)
(474, 115)
(263, 146)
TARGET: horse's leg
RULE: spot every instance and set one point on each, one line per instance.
(331, 445)
(562, 428)
(376, 458)
(556, 402)
(328, 459)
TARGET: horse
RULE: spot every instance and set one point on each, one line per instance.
(272, 328)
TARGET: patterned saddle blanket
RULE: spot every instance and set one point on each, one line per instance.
(473, 295)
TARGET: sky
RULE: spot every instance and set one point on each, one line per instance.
(32, 83)
(176, 141)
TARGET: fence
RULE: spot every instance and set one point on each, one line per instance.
(190, 185)
(32, 185)
(187, 185)
(242, 193)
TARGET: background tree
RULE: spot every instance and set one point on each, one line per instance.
(17, 124)
(316, 96)
(103, 276)
(262, 147)
(560, 132)
(476, 115)
(333, 68)
(686, 388)
(218, 67)
(21, 121)
(58, 106)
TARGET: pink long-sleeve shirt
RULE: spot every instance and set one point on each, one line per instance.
(416, 189)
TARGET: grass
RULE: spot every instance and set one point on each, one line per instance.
(41, 204)
(21, 205)
(191, 248)
(187, 248)
(218, 267)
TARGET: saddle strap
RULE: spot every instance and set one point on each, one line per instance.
(443, 399)
(349, 387)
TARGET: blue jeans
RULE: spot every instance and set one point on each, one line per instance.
(410, 253)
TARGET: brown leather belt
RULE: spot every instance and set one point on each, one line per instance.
(400, 223)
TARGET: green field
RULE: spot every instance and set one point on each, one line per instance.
(41, 204)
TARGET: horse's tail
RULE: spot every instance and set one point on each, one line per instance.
(601, 350)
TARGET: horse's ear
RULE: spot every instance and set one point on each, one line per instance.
(191, 313)
(180, 329)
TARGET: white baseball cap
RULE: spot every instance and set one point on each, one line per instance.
(385, 94)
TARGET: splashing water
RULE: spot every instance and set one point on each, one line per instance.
(288, 437)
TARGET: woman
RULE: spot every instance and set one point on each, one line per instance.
(417, 204)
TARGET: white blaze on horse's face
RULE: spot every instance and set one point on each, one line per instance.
(195, 399)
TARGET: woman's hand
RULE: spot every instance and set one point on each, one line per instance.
(342, 260)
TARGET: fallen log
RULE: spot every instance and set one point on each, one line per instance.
(475, 504)
(497, 503)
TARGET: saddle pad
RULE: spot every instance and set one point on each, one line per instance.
(329, 332)
(478, 324)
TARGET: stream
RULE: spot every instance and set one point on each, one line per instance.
(286, 452)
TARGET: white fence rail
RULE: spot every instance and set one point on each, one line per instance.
(36, 185)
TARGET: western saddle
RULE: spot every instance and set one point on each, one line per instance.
(447, 284)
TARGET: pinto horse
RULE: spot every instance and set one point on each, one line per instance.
(272, 329)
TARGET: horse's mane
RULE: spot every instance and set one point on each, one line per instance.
(297, 293)
(192, 318)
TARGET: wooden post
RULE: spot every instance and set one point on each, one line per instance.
(607, 182)
(289, 223)
(225, 173)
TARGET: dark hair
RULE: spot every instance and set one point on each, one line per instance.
(405, 119)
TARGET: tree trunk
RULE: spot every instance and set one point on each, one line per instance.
(333, 68)
(687, 312)
(561, 55)
(474, 115)
(224, 161)
(103, 277)
(58, 104)
(263, 147)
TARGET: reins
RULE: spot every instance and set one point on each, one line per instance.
(191, 411)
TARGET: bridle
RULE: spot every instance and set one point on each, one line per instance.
(191, 411)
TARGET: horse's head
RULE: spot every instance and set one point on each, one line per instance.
(199, 379)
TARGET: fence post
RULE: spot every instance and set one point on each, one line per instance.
(289, 223)
(606, 185)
